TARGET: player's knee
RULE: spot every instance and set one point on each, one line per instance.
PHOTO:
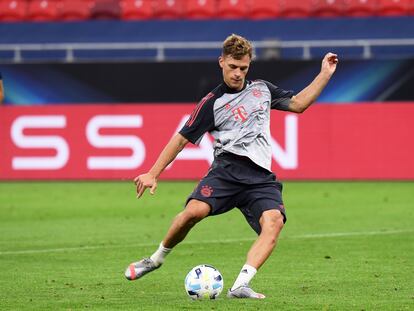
(195, 212)
(272, 224)
(279, 222)
(191, 217)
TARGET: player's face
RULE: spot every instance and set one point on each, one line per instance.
(234, 70)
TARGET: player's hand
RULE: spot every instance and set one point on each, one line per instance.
(144, 181)
(329, 63)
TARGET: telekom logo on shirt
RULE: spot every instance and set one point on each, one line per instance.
(240, 114)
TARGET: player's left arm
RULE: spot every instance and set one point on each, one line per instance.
(300, 102)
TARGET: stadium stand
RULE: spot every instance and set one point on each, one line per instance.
(13, 10)
(232, 9)
(263, 9)
(136, 9)
(193, 29)
(200, 9)
(71, 10)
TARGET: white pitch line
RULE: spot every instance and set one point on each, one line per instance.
(346, 234)
(304, 236)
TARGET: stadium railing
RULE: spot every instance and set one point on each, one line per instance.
(162, 51)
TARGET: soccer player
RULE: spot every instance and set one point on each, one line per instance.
(237, 115)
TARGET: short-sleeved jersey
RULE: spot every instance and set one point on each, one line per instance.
(239, 121)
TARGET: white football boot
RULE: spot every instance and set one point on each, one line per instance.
(138, 269)
(244, 292)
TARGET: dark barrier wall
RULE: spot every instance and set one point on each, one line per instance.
(354, 81)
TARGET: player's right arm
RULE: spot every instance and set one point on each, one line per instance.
(200, 122)
(170, 152)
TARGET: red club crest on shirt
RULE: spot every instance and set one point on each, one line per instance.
(257, 93)
(206, 191)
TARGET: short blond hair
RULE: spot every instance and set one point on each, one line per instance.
(236, 46)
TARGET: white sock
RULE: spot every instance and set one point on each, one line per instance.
(160, 254)
(246, 274)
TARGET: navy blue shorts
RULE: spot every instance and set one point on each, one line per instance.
(235, 181)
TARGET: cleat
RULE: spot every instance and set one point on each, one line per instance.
(138, 269)
(244, 292)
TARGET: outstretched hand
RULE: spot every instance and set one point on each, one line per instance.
(329, 63)
(144, 181)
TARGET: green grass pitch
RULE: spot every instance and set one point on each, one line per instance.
(65, 246)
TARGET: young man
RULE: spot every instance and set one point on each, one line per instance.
(237, 115)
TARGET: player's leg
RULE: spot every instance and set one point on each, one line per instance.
(262, 206)
(212, 196)
(271, 223)
(194, 212)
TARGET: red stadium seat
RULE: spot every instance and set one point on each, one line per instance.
(106, 9)
(42, 10)
(137, 9)
(233, 9)
(263, 9)
(200, 9)
(328, 8)
(360, 7)
(168, 9)
(74, 10)
(13, 10)
(411, 8)
(393, 7)
(295, 8)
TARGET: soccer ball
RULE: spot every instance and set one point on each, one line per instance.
(203, 282)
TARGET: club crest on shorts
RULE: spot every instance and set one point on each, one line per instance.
(206, 191)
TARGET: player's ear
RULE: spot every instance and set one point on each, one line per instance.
(221, 61)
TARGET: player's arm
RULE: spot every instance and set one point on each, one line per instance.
(300, 102)
(200, 122)
(170, 152)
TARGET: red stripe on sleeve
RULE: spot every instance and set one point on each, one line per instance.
(198, 108)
